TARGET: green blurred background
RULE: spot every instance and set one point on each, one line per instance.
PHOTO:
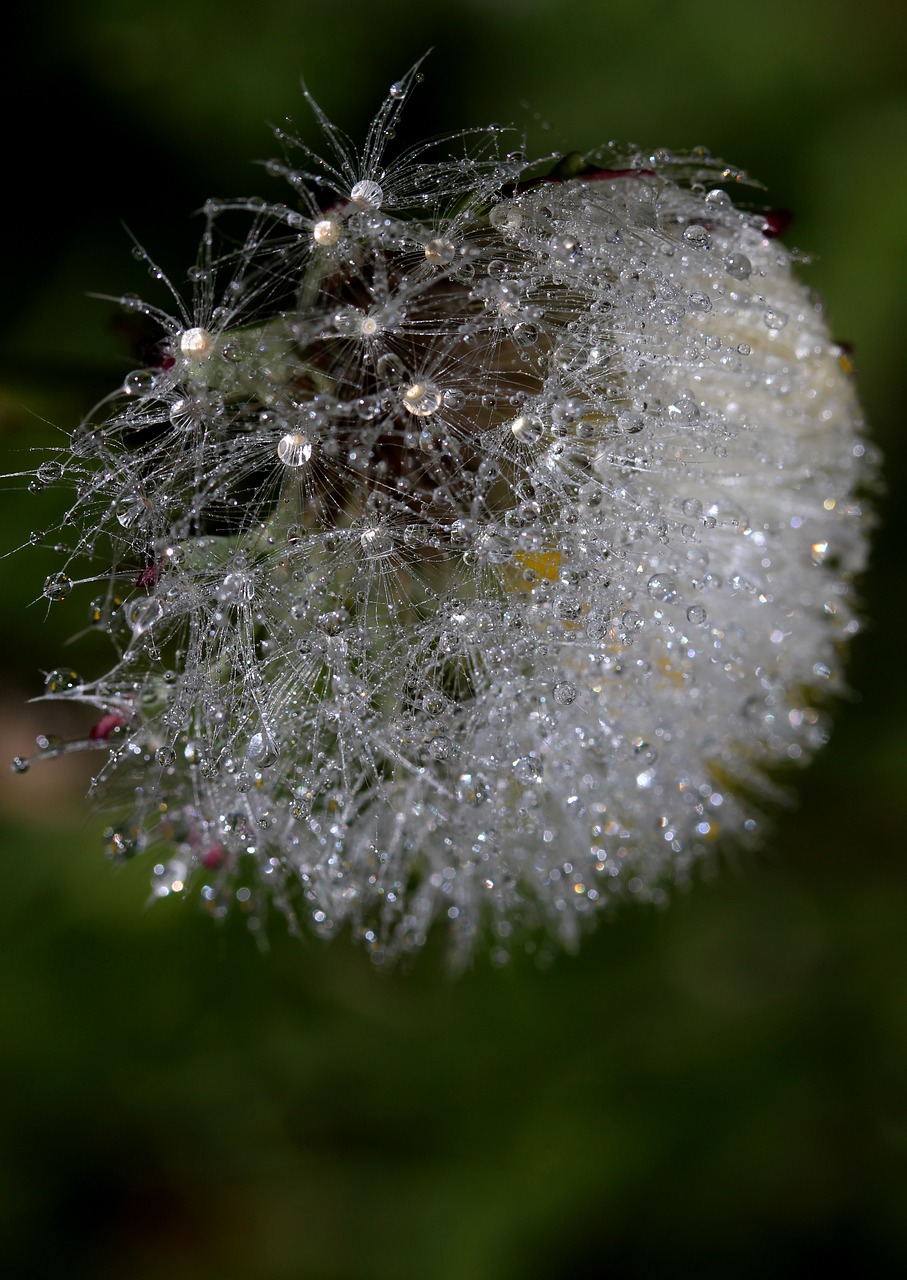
(719, 1085)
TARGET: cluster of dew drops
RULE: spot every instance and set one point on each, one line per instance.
(349, 529)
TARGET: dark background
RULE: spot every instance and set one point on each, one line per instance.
(719, 1084)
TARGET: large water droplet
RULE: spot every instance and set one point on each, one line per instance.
(527, 429)
(326, 232)
(377, 542)
(57, 586)
(661, 586)
(294, 449)
(367, 194)
(422, 399)
(471, 790)
(263, 750)
(439, 252)
(739, 266)
(63, 680)
(506, 216)
(143, 614)
(528, 770)
(564, 692)
(196, 344)
(49, 472)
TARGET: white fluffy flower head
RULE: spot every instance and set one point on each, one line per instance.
(482, 538)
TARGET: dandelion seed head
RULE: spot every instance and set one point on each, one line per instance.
(485, 576)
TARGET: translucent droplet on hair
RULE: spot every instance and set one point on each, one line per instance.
(294, 449)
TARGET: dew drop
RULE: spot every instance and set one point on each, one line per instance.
(527, 429)
(262, 750)
(294, 449)
(471, 790)
(196, 344)
(367, 194)
(506, 216)
(528, 770)
(57, 586)
(165, 756)
(564, 692)
(441, 748)
(390, 368)
(63, 680)
(377, 542)
(439, 252)
(415, 535)
(696, 614)
(143, 615)
(138, 383)
(422, 399)
(49, 472)
(326, 232)
(661, 586)
(698, 237)
(739, 266)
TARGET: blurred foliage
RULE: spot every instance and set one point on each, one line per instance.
(719, 1084)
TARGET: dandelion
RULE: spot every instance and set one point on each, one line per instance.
(480, 542)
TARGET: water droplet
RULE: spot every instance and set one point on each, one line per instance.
(294, 449)
(441, 748)
(397, 90)
(63, 680)
(564, 248)
(696, 614)
(326, 232)
(422, 399)
(684, 408)
(138, 383)
(262, 750)
(691, 507)
(774, 319)
(367, 194)
(196, 344)
(49, 472)
(434, 703)
(471, 790)
(527, 429)
(698, 237)
(439, 252)
(739, 266)
(165, 755)
(20, 765)
(528, 770)
(143, 614)
(506, 216)
(564, 692)
(415, 535)
(661, 586)
(57, 586)
(377, 542)
(390, 368)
